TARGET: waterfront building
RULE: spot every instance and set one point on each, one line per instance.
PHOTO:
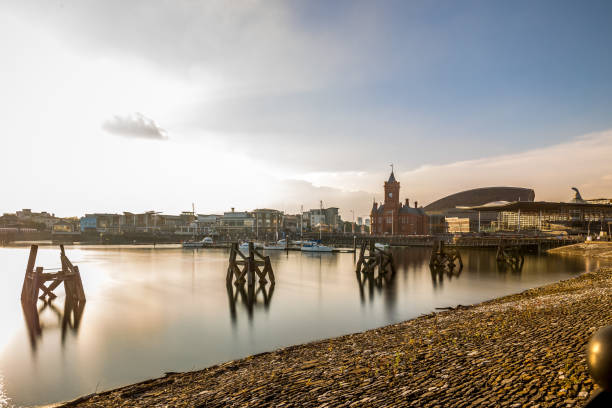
(26, 215)
(89, 222)
(236, 224)
(267, 223)
(149, 221)
(316, 217)
(305, 224)
(554, 217)
(290, 223)
(330, 217)
(207, 223)
(457, 225)
(101, 222)
(63, 226)
(455, 206)
(169, 223)
(395, 218)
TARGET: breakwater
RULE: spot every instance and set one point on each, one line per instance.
(520, 350)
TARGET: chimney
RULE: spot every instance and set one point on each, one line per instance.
(416, 204)
(407, 202)
(232, 209)
(375, 206)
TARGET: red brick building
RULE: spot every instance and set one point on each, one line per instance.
(395, 218)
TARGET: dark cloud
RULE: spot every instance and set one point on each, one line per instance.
(135, 125)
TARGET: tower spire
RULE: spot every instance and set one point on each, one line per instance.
(392, 176)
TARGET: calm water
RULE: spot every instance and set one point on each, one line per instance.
(167, 309)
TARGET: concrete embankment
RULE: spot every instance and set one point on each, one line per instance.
(522, 350)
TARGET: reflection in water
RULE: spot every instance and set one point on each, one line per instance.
(514, 267)
(156, 310)
(437, 275)
(379, 284)
(248, 297)
(68, 319)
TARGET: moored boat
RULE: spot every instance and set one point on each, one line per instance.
(315, 247)
(198, 244)
(381, 246)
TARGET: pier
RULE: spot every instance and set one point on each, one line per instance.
(528, 242)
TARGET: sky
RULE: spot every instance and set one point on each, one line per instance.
(110, 106)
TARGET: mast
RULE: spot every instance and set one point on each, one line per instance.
(320, 213)
(194, 220)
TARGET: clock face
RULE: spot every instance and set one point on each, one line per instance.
(390, 195)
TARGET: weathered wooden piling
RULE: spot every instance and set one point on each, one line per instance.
(510, 255)
(374, 262)
(444, 259)
(35, 279)
(251, 264)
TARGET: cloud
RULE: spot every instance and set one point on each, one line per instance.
(135, 125)
(335, 83)
(583, 162)
(292, 194)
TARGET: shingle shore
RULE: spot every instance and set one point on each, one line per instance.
(522, 350)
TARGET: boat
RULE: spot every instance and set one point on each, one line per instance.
(198, 244)
(315, 247)
(274, 246)
(383, 247)
(281, 244)
(244, 246)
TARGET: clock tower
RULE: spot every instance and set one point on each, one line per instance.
(392, 188)
(395, 218)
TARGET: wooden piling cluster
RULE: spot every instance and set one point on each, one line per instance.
(247, 269)
(374, 262)
(36, 278)
(251, 264)
(510, 255)
(445, 259)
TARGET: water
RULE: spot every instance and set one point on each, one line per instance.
(149, 311)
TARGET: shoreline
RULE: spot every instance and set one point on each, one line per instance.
(591, 249)
(469, 355)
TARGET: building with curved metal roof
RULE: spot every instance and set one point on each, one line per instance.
(447, 207)
(480, 196)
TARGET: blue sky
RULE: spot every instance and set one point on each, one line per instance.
(293, 102)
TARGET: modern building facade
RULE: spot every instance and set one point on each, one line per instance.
(454, 208)
(573, 218)
(393, 217)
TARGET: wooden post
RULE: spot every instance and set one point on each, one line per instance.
(232, 263)
(27, 289)
(36, 279)
(251, 266)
